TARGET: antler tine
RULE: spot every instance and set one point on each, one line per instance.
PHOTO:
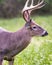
(26, 4)
(25, 7)
(38, 6)
(31, 7)
(32, 3)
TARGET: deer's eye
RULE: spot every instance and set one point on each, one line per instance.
(34, 28)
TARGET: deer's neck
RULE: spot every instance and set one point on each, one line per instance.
(23, 34)
(20, 40)
(21, 37)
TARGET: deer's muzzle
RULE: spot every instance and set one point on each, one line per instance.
(45, 33)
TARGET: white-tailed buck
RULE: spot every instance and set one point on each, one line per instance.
(11, 43)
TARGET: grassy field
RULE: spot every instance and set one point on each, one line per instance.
(39, 51)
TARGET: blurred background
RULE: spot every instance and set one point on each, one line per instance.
(12, 8)
(39, 51)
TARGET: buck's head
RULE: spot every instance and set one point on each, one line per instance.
(34, 29)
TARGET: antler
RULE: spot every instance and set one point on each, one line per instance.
(31, 7)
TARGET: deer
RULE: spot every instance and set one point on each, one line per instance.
(12, 43)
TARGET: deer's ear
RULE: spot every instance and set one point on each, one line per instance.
(26, 16)
(27, 25)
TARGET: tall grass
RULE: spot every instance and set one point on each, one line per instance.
(39, 51)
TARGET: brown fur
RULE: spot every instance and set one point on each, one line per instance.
(11, 43)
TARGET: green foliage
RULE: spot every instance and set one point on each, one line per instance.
(1, 1)
(39, 52)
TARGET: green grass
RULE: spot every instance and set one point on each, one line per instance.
(39, 51)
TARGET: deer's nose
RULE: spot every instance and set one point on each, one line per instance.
(45, 33)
